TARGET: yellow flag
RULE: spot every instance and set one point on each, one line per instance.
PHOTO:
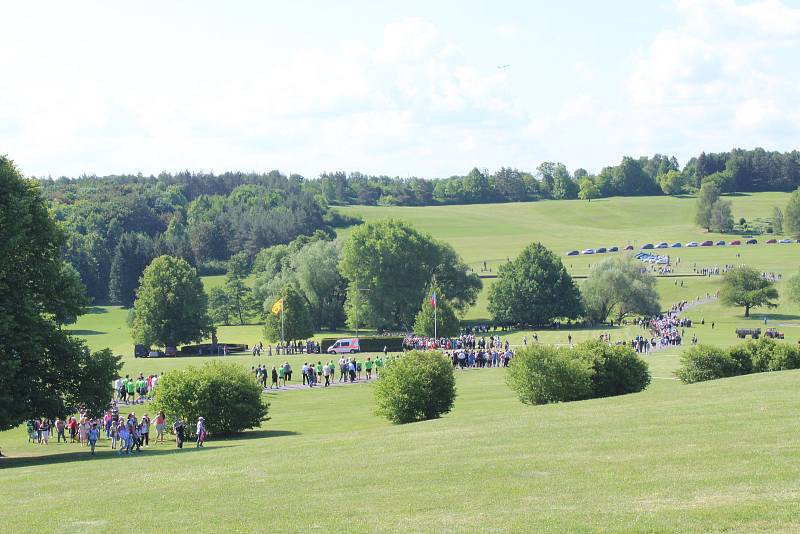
(277, 307)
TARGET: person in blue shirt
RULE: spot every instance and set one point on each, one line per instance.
(94, 434)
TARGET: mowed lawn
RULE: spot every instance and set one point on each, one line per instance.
(719, 456)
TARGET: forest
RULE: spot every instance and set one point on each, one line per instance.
(115, 225)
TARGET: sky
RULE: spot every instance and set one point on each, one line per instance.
(412, 88)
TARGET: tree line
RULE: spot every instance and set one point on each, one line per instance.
(736, 170)
(116, 225)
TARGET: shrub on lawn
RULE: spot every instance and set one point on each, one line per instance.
(617, 369)
(704, 362)
(760, 351)
(415, 387)
(784, 357)
(542, 374)
(225, 394)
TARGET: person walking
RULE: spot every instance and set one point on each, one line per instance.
(326, 372)
(201, 431)
(94, 434)
(60, 426)
(179, 429)
(275, 377)
(160, 425)
(145, 430)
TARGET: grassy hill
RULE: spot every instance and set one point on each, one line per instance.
(718, 456)
(674, 457)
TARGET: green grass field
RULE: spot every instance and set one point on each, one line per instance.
(714, 457)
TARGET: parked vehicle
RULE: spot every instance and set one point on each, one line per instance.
(773, 333)
(140, 351)
(663, 244)
(615, 248)
(588, 251)
(735, 242)
(676, 245)
(785, 241)
(573, 253)
(752, 242)
(707, 244)
(345, 346)
(629, 247)
(601, 250)
(721, 243)
(691, 244)
(744, 332)
(155, 354)
(648, 246)
(771, 241)
(171, 352)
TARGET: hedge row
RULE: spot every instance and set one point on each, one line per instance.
(705, 362)
(542, 374)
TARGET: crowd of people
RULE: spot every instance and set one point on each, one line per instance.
(135, 390)
(313, 374)
(471, 358)
(126, 435)
(290, 347)
(467, 341)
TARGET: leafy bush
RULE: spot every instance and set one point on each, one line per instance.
(542, 374)
(760, 352)
(784, 357)
(704, 362)
(617, 370)
(225, 394)
(742, 356)
(415, 387)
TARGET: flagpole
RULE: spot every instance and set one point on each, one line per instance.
(283, 341)
(434, 322)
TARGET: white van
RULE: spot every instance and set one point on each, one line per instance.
(345, 346)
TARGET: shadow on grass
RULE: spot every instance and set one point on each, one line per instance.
(96, 310)
(756, 316)
(86, 332)
(81, 454)
(259, 434)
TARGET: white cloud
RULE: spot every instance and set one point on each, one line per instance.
(507, 31)
(727, 68)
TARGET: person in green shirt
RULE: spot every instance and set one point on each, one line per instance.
(281, 375)
(378, 365)
(368, 367)
(130, 387)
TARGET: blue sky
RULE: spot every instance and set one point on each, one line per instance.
(402, 88)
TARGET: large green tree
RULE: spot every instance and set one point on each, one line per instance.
(388, 265)
(793, 286)
(534, 288)
(133, 254)
(171, 306)
(791, 216)
(316, 270)
(443, 323)
(618, 286)
(721, 216)
(291, 319)
(744, 286)
(43, 371)
(706, 197)
(238, 293)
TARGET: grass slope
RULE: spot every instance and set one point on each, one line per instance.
(671, 458)
(719, 456)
